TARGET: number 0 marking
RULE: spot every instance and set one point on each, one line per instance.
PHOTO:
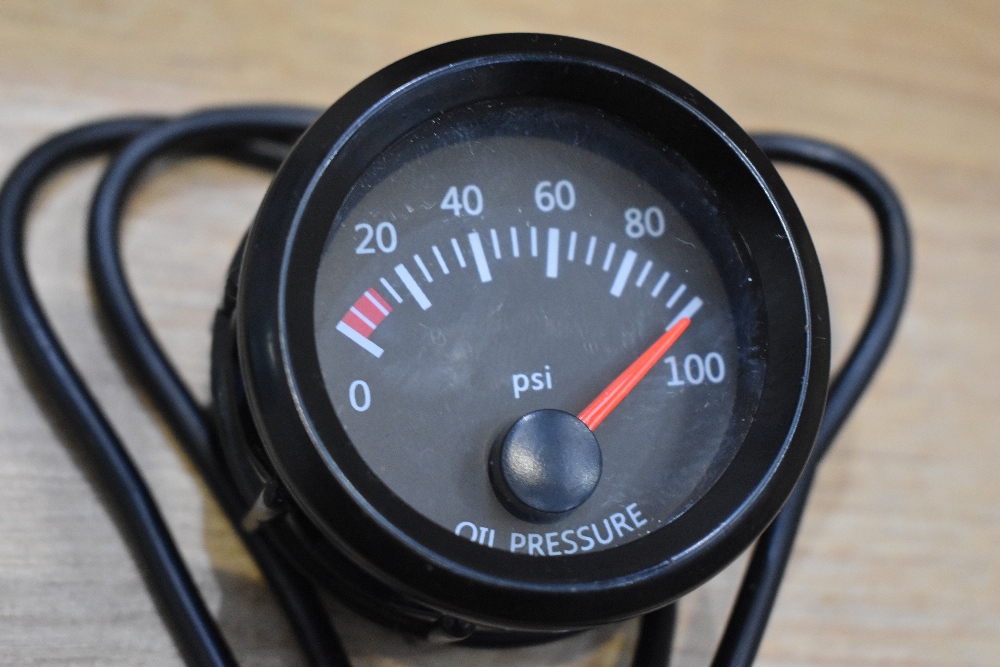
(366, 395)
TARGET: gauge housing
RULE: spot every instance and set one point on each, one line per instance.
(344, 527)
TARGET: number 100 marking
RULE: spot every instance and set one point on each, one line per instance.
(697, 369)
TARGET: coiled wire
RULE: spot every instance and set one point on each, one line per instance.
(237, 133)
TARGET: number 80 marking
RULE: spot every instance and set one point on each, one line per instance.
(640, 223)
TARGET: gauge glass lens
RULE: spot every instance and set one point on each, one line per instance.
(518, 256)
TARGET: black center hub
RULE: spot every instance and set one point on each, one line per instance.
(546, 465)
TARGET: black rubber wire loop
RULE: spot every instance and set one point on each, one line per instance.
(757, 594)
(208, 131)
(181, 606)
(229, 132)
(656, 638)
(851, 380)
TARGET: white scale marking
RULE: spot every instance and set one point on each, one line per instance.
(590, 251)
(624, 271)
(440, 259)
(644, 273)
(692, 307)
(514, 250)
(412, 286)
(423, 269)
(534, 241)
(659, 284)
(676, 295)
(609, 256)
(361, 317)
(571, 253)
(359, 339)
(458, 253)
(496, 243)
(552, 254)
(388, 288)
(479, 256)
(375, 302)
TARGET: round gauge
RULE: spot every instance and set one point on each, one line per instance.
(516, 257)
(530, 335)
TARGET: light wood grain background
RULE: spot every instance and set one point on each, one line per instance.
(898, 562)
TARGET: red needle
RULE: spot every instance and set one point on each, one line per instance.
(614, 393)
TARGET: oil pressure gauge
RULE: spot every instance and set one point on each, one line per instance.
(528, 336)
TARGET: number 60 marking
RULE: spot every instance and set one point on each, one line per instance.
(548, 197)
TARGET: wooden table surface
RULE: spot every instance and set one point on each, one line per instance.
(898, 561)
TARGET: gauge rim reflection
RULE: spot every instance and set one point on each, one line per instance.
(450, 573)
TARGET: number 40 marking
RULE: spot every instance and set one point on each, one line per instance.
(471, 200)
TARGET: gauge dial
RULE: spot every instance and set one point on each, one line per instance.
(532, 336)
(511, 258)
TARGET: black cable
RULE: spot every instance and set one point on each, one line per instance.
(194, 630)
(208, 131)
(302, 604)
(656, 638)
(227, 131)
(757, 594)
(853, 377)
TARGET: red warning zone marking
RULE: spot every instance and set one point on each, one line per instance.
(362, 318)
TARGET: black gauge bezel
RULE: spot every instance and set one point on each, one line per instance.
(349, 505)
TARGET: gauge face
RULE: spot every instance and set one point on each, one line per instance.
(515, 257)
(525, 322)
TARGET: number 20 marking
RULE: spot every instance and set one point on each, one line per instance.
(384, 235)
